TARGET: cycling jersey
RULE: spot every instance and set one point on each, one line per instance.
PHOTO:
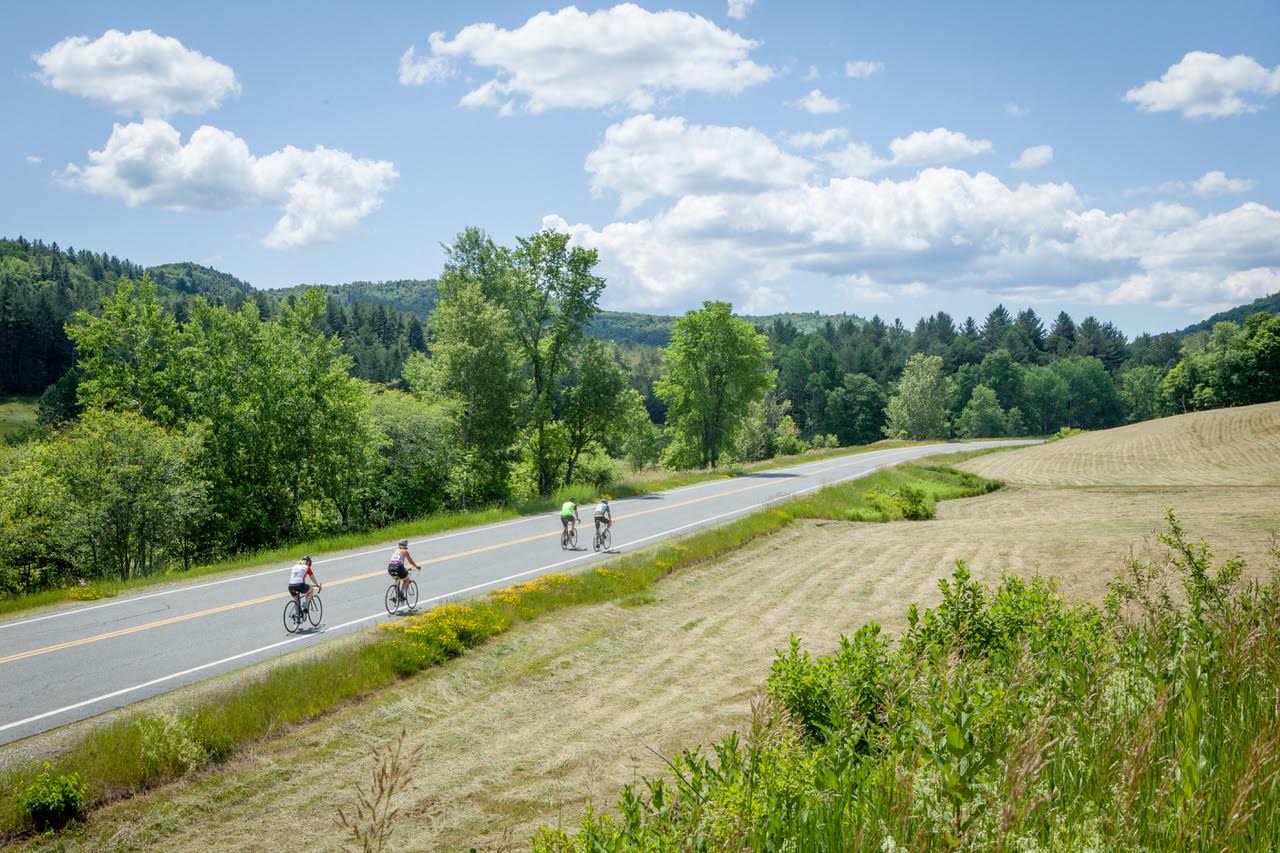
(568, 509)
(602, 508)
(397, 558)
(299, 573)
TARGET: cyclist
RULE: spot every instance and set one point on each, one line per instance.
(569, 517)
(603, 515)
(397, 568)
(298, 581)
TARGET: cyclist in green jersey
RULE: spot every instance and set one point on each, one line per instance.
(569, 515)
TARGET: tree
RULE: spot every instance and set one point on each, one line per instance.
(128, 356)
(420, 453)
(993, 327)
(1003, 375)
(553, 293)
(717, 365)
(855, 409)
(1045, 395)
(919, 408)
(130, 492)
(1062, 337)
(592, 401)
(982, 416)
(1140, 391)
(757, 438)
(1092, 399)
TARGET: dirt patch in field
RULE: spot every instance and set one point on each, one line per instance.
(555, 716)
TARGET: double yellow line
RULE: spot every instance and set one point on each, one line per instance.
(212, 611)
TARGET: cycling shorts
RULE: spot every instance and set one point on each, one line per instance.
(565, 519)
(299, 588)
(398, 570)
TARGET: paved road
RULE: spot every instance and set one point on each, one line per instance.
(74, 663)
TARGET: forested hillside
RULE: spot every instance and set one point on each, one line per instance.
(1238, 314)
(204, 417)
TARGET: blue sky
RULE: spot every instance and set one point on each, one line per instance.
(669, 139)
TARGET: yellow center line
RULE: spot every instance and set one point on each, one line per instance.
(186, 617)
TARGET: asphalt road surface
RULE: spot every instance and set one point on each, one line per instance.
(66, 665)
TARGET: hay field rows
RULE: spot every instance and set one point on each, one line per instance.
(553, 717)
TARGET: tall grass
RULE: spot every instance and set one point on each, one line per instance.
(645, 482)
(1005, 719)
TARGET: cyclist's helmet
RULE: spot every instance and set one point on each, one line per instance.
(404, 543)
(306, 560)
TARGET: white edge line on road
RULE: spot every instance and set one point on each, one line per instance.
(702, 522)
(496, 526)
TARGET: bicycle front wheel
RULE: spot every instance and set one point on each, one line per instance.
(411, 594)
(292, 619)
(573, 539)
(606, 539)
(315, 611)
(392, 599)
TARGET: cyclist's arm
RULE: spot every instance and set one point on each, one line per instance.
(316, 579)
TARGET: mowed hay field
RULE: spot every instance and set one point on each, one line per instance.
(554, 716)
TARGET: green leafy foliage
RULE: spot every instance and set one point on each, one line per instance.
(52, 801)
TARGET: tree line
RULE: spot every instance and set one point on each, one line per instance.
(195, 427)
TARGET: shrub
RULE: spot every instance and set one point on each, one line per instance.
(1064, 432)
(169, 747)
(52, 801)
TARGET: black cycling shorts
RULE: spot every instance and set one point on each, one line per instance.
(299, 588)
(397, 571)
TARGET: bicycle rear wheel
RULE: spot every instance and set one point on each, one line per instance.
(392, 599)
(292, 618)
(411, 595)
(315, 611)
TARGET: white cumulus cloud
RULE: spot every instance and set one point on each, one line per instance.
(862, 68)
(936, 146)
(1034, 157)
(321, 192)
(1208, 85)
(645, 157)
(624, 55)
(1016, 110)
(817, 103)
(138, 72)
(1217, 183)
(738, 8)
(419, 70)
(814, 139)
(855, 160)
(34, 159)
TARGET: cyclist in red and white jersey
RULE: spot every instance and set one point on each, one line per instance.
(298, 580)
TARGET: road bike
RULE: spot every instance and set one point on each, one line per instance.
(297, 613)
(603, 538)
(569, 538)
(395, 599)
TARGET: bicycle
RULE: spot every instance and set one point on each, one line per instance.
(395, 598)
(569, 538)
(297, 614)
(603, 538)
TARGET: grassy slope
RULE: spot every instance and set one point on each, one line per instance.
(648, 481)
(16, 414)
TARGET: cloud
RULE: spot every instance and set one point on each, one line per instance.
(138, 72)
(34, 159)
(862, 68)
(625, 56)
(418, 71)
(321, 192)
(645, 157)
(855, 160)
(942, 229)
(1016, 111)
(1034, 157)
(814, 139)
(812, 73)
(1217, 183)
(1208, 85)
(817, 103)
(936, 146)
(738, 8)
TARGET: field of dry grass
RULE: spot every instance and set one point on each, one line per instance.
(557, 714)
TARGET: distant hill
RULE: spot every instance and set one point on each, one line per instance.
(197, 280)
(416, 296)
(1270, 304)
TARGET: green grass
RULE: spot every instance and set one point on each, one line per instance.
(139, 751)
(1005, 719)
(635, 484)
(16, 415)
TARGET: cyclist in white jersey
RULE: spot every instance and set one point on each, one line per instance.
(298, 580)
(396, 566)
(603, 515)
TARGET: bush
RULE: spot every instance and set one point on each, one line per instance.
(1064, 432)
(53, 801)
